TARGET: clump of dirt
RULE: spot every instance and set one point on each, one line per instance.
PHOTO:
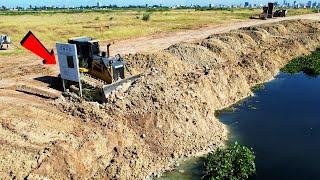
(169, 113)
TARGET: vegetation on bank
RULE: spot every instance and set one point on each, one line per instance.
(234, 163)
(309, 65)
(257, 87)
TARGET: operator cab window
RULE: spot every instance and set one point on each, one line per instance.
(95, 48)
(70, 61)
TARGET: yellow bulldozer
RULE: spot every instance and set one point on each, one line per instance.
(99, 66)
(96, 63)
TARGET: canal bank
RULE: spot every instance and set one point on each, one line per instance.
(281, 122)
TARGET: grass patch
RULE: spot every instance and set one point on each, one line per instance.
(236, 162)
(257, 87)
(229, 109)
(309, 65)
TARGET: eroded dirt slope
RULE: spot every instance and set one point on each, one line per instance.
(166, 115)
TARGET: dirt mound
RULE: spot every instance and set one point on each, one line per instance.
(174, 106)
(166, 115)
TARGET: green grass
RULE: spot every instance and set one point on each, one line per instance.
(111, 25)
(310, 64)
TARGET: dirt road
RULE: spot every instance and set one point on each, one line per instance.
(162, 41)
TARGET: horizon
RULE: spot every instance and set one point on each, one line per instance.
(77, 3)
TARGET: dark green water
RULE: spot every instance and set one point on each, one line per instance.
(282, 124)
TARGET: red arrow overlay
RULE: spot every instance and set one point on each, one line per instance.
(31, 43)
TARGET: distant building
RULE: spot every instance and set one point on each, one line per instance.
(246, 4)
(284, 3)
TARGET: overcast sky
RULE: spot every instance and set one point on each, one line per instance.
(25, 3)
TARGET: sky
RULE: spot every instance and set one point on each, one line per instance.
(70, 3)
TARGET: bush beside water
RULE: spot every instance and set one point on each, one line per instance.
(310, 64)
(234, 163)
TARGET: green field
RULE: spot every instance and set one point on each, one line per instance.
(112, 25)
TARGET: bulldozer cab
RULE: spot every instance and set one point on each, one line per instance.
(86, 49)
(98, 64)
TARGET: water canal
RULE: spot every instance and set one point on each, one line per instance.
(281, 123)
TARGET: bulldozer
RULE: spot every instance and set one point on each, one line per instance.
(98, 68)
(264, 14)
(268, 12)
(96, 63)
(4, 42)
(280, 13)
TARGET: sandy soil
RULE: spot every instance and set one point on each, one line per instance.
(162, 41)
(165, 116)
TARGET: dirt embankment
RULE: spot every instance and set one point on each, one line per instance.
(166, 115)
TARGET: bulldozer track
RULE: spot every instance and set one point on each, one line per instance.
(91, 80)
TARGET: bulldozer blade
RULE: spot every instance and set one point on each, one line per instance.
(108, 89)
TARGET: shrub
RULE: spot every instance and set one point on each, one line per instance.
(146, 16)
(234, 163)
(310, 65)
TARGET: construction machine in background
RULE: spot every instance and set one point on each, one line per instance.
(98, 68)
(4, 42)
(268, 12)
(264, 14)
(280, 13)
